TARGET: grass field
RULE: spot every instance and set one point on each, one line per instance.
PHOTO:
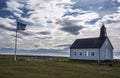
(55, 69)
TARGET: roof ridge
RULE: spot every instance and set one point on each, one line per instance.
(88, 38)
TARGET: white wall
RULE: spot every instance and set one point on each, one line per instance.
(83, 56)
(106, 51)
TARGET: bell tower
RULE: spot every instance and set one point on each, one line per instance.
(103, 33)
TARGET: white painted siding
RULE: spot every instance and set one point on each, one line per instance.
(86, 54)
(106, 51)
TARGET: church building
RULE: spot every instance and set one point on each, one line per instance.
(98, 49)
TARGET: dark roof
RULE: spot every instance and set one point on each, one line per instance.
(88, 43)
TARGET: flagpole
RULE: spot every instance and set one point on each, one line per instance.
(15, 45)
(20, 26)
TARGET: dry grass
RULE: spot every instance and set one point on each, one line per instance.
(55, 69)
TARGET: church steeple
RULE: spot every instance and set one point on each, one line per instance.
(103, 33)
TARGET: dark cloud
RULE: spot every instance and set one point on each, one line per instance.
(6, 28)
(24, 33)
(72, 29)
(37, 45)
(112, 21)
(70, 26)
(13, 29)
(49, 21)
(44, 33)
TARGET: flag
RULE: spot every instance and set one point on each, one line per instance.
(20, 26)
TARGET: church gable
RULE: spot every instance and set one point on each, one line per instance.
(108, 43)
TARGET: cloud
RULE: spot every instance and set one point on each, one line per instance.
(70, 26)
(94, 5)
(24, 33)
(6, 28)
(112, 18)
(37, 52)
(54, 22)
(118, 1)
(93, 21)
(44, 33)
(6, 21)
(72, 29)
(14, 7)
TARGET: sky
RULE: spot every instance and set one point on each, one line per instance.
(53, 25)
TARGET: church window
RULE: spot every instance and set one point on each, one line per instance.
(86, 53)
(80, 53)
(92, 54)
(75, 53)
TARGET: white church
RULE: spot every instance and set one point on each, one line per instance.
(98, 49)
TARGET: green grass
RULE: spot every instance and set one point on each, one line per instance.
(55, 69)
